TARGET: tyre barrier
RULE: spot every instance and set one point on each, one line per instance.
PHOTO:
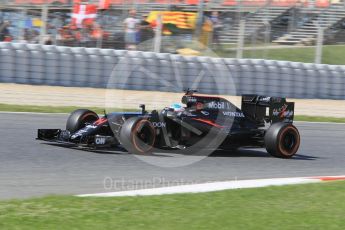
(136, 70)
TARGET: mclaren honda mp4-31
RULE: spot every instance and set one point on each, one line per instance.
(199, 123)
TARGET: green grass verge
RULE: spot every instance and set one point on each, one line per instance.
(319, 119)
(69, 109)
(333, 55)
(313, 206)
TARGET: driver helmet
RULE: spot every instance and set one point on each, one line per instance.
(177, 107)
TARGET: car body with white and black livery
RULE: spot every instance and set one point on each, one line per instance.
(202, 122)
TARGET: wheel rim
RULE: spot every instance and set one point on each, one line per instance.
(143, 136)
(289, 142)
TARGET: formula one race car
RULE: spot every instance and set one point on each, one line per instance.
(203, 122)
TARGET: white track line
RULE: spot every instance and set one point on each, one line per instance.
(319, 122)
(216, 186)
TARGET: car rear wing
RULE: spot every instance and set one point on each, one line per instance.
(269, 109)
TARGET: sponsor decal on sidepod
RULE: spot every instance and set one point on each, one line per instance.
(216, 105)
(233, 114)
(159, 124)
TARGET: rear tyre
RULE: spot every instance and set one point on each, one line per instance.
(282, 140)
(138, 135)
(79, 118)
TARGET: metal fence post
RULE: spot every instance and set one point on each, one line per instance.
(44, 19)
(158, 36)
(200, 18)
(240, 42)
(24, 14)
(319, 44)
(267, 37)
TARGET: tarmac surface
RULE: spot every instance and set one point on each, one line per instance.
(30, 168)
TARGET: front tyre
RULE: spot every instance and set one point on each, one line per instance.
(137, 135)
(282, 140)
(79, 118)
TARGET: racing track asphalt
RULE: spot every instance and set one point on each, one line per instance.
(30, 168)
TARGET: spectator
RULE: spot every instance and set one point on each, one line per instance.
(7, 38)
(217, 26)
(48, 40)
(65, 36)
(55, 24)
(97, 32)
(146, 31)
(206, 32)
(131, 29)
(25, 36)
(4, 31)
(35, 39)
(87, 39)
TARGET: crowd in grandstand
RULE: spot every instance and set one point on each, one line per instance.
(87, 34)
(91, 33)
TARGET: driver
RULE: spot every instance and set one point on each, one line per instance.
(177, 107)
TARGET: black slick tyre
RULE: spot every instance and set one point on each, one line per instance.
(79, 118)
(138, 135)
(282, 140)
